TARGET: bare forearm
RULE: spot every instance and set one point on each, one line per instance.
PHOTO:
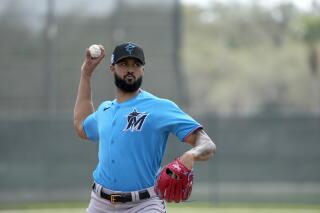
(204, 148)
(83, 106)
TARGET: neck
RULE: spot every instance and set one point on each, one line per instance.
(122, 96)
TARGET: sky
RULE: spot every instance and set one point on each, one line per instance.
(301, 4)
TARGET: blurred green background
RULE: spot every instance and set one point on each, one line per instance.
(247, 70)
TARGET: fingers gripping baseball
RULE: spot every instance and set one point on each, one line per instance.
(90, 62)
(174, 182)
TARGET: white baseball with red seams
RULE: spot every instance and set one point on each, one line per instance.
(95, 51)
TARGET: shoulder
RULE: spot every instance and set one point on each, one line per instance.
(159, 102)
(104, 105)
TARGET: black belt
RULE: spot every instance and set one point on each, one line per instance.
(121, 197)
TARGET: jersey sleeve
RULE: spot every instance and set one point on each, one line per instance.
(177, 121)
(90, 127)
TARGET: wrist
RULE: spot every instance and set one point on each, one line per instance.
(187, 159)
(86, 75)
(191, 154)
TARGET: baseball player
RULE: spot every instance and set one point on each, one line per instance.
(131, 132)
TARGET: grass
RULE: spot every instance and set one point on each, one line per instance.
(172, 208)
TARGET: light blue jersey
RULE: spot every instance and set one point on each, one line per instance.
(132, 138)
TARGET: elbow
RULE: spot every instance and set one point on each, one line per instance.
(212, 148)
(77, 125)
(79, 129)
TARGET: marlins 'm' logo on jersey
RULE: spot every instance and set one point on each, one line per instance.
(135, 121)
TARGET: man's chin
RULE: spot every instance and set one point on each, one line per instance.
(130, 82)
(128, 86)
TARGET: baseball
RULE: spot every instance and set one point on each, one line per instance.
(95, 51)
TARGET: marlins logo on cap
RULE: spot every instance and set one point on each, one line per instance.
(127, 50)
(130, 47)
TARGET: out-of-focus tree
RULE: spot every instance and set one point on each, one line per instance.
(247, 58)
(311, 35)
(311, 25)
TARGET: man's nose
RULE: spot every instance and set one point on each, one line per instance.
(129, 72)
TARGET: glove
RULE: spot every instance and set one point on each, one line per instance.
(174, 182)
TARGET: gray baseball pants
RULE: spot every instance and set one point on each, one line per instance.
(100, 205)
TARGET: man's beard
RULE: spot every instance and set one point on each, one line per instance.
(126, 87)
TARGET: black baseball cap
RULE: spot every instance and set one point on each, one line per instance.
(127, 50)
